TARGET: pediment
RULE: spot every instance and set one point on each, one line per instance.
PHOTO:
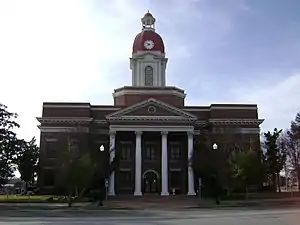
(151, 109)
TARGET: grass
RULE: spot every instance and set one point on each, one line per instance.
(16, 198)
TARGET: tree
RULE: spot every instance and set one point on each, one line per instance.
(8, 143)
(78, 176)
(246, 167)
(291, 141)
(27, 160)
(208, 164)
(275, 157)
(78, 169)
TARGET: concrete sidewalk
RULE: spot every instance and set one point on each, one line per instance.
(133, 205)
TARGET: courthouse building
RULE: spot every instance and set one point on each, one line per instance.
(149, 127)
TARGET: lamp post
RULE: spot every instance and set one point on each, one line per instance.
(216, 182)
(106, 182)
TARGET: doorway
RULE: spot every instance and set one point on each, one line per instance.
(151, 182)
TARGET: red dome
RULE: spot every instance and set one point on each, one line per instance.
(148, 35)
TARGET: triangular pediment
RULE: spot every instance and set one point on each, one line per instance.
(151, 108)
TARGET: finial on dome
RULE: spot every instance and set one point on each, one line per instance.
(148, 21)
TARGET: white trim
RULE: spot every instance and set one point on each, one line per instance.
(163, 105)
(65, 105)
(69, 120)
(63, 129)
(177, 119)
(151, 128)
(236, 121)
(150, 170)
(100, 122)
(140, 53)
(148, 90)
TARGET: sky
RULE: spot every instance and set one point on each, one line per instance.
(220, 51)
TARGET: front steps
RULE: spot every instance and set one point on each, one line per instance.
(152, 201)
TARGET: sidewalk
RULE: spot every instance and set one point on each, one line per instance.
(129, 205)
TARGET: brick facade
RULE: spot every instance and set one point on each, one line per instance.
(80, 121)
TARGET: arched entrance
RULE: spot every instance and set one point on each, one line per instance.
(150, 181)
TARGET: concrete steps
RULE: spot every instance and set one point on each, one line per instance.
(152, 201)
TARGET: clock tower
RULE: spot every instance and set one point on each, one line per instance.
(148, 61)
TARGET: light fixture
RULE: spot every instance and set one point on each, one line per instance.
(101, 148)
(215, 146)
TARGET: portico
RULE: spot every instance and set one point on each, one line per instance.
(164, 131)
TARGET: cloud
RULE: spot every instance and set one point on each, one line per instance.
(78, 50)
(278, 101)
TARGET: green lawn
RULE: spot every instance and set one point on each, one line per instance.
(23, 197)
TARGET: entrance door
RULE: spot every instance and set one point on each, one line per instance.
(150, 182)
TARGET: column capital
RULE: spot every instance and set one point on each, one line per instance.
(112, 132)
(139, 132)
(164, 132)
(190, 133)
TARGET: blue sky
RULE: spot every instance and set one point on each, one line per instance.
(220, 51)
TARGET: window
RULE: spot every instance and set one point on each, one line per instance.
(49, 177)
(126, 152)
(175, 179)
(51, 149)
(148, 76)
(175, 152)
(125, 178)
(150, 153)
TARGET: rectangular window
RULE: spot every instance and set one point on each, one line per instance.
(49, 177)
(126, 150)
(125, 178)
(175, 179)
(150, 153)
(51, 149)
(175, 152)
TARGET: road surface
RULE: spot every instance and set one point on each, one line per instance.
(235, 216)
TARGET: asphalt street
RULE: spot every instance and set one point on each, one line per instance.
(157, 217)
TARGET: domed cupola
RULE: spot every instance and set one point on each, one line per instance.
(148, 39)
(148, 62)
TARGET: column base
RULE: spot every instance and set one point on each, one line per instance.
(111, 193)
(164, 193)
(191, 193)
(138, 194)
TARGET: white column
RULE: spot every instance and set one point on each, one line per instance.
(191, 187)
(111, 185)
(164, 164)
(138, 163)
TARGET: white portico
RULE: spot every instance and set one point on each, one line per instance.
(164, 131)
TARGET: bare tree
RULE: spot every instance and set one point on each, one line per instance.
(291, 141)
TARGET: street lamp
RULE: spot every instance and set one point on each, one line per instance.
(216, 182)
(101, 148)
(105, 180)
(215, 146)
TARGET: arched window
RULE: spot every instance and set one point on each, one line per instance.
(148, 76)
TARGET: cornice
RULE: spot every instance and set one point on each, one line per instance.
(177, 119)
(46, 129)
(67, 120)
(230, 122)
(122, 92)
(236, 121)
